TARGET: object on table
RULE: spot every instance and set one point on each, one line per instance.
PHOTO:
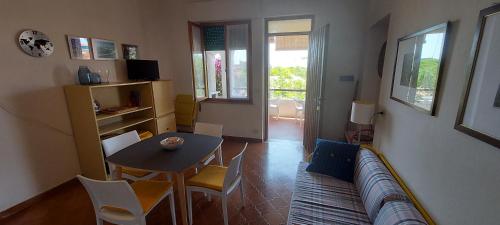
(172, 143)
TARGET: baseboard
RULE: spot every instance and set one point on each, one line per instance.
(38, 198)
(243, 139)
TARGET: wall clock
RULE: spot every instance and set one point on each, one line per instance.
(35, 43)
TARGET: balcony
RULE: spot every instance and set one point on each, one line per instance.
(286, 114)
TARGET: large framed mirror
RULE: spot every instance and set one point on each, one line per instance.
(479, 112)
(418, 68)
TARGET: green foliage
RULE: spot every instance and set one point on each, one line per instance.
(428, 73)
(293, 78)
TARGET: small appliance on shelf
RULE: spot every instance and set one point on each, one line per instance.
(143, 70)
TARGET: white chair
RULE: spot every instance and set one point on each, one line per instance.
(210, 130)
(299, 110)
(274, 108)
(117, 143)
(219, 181)
(127, 204)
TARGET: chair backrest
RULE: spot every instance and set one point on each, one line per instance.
(299, 104)
(185, 110)
(116, 194)
(117, 143)
(235, 169)
(208, 129)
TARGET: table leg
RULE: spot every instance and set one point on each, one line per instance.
(219, 157)
(181, 193)
(117, 173)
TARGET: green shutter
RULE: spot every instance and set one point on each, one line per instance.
(214, 38)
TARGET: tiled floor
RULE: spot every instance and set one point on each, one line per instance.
(286, 129)
(269, 174)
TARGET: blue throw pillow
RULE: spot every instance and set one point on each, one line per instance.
(334, 159)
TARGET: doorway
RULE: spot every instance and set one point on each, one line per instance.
(287, 46)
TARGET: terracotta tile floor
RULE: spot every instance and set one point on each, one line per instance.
(286, 129)
(269, 174)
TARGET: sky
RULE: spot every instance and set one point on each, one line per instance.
(433, 46)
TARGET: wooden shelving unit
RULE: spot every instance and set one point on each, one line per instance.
(155, 114)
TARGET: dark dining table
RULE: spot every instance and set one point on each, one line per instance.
(149, 155)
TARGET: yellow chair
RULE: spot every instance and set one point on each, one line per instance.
(127, 204)
(219, 181)
(185, 111)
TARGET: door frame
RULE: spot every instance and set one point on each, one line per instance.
(266, 59)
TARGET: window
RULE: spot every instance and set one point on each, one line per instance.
(221, 61)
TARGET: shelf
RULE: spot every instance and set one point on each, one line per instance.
(110, 128)
(109, 116)
(104, 85)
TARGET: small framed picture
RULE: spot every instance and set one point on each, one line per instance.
(104, 49)
(130, 51)
(79, 48)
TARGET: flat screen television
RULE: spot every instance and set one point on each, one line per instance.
(143, 70)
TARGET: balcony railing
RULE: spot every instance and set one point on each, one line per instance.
(287, 94)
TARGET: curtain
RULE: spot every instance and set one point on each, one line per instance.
(315, 72)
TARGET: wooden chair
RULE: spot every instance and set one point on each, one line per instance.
(117, 143)
(210, 130)
(219, 181)
(185, 112)
(121, 203)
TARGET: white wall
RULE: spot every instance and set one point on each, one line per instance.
(347, 21)
(369, 86)
(37, 151)
(455, 176)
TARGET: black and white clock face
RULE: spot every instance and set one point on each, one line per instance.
(35, 43)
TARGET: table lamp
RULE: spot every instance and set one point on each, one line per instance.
(362, 114)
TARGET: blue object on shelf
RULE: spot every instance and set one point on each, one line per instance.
(84, 75)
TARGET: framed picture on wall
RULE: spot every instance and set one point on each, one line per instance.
(79, 48)
(479, 112)
(130, 51)
(418, 68)
(104, 49)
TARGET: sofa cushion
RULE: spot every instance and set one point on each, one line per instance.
(399, 213)
(375, 183)
(321, 199)
(335, 159)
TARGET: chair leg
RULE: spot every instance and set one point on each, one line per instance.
(221, 162)
(142, 221)
(241, 194)
(209, 196)
(224, 209)
(172, 208)
(190, 207)
(99, 221)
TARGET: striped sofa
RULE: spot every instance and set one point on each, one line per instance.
(375, 197)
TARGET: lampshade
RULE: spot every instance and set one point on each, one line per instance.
(362, 112)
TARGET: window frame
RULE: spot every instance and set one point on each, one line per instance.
(229, 99)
